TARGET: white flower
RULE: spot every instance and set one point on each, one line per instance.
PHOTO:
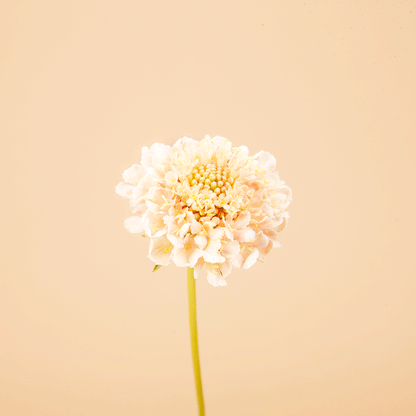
(206, 205)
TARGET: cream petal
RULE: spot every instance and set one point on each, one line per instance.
(267, 209)
(283, 198)
(134, 174)
(134, 224)
(237, 261)
(180, 257)
(266, 161)
(244, 236)
(194, 255)
(281, 226)
(196, 227)
(146, 160)
(160, 250)
(175, 240)
(198, 267)
(184, 229)
(213, 257)
(214, 278)
(171, 178)
(156, 174)
(225, 268)
(211, 253)
(216, 233)
(201, 241)
(125, 190)
(160, 148)
(266, 250)
(251, 259)
(230, 249)
(260, 240)
(218, 140)
(154, 225)
(188, 255)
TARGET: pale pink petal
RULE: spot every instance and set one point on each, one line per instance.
(244, 236)
(237, 261)
(267, 209)
(261, 240)
(230, 249)
(251, 259)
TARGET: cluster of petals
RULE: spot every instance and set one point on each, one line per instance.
(206, 204)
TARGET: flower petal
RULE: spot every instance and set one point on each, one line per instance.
(244, 236)
(230, 249)
(160, 250)
(134, 224)
(251, 259)
(125, 190)
(134, 174)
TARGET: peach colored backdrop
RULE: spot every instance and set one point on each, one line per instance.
(326, 326)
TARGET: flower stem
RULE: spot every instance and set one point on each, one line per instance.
(194, 340)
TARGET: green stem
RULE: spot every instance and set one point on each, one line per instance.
(194, 340)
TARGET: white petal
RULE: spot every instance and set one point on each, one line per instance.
(198, 267)
(196, 227)
(175, 240)
(213, 257)
(214, 278)
(171, 178)
(194, 256)
(133, 174)
(225, 268)
(154, 225)
(184, 229)
(266, 161)
(242, 221)
(283, 198)
(216, 233)
(201, 241)
(211, 253)
(134, 224)
(125, 189)
(160, 250)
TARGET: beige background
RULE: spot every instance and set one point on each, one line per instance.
(326, 326)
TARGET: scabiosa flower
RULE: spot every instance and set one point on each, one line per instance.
(206, 205)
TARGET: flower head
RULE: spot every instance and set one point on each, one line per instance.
(206, 205)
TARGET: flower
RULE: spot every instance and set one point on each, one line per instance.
(206, 204)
